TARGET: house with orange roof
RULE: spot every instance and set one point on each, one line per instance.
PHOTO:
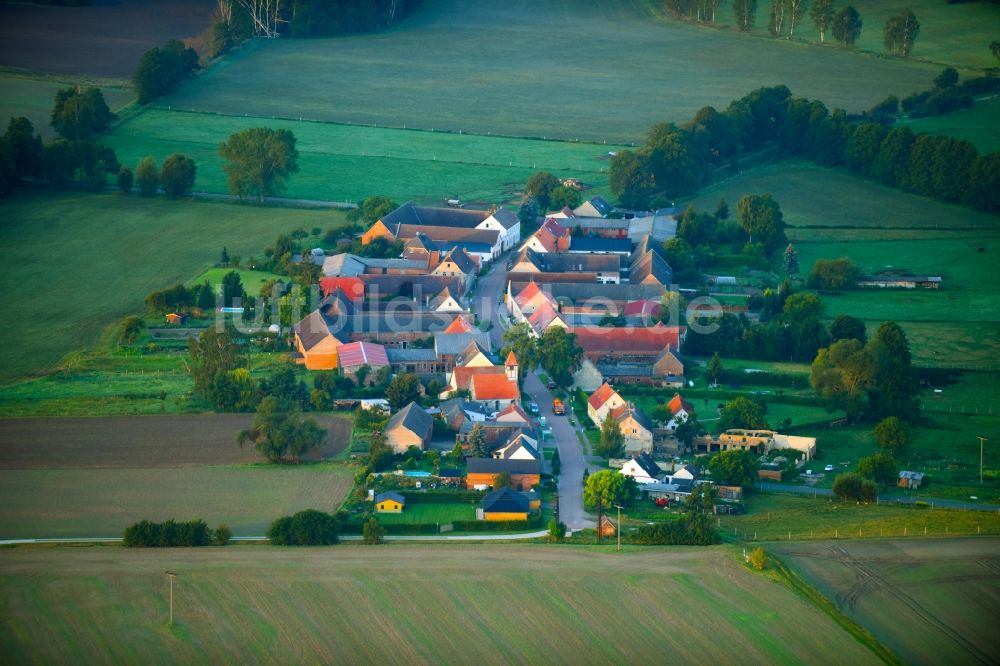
(527, 301)
(602, 401)
(636, 429)
(460, 325)
(550, 237)
(496, 391)
(680, 410)
(353, 287)
(315, 346)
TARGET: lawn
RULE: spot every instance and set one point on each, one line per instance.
(103, 502)
(956, 34)
(600, 72)
(431, 513)
(408, 604)
(980, 125)
(929, 601)
(252, 280)
(83, 261)
(34, 98)
(773, 517)
(350, 162)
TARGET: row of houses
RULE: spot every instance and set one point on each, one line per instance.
(504, 504)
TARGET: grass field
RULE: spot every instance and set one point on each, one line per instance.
(103, 502)
(928, 601)
(980, 125)
(773, 517)
(499, 67)
(834, 214)
(83, 261)
(252, 280)
(479, 604)
(350, 162)
(953, 33)
(34, 98)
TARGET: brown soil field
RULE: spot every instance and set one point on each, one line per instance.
(929, 601)
(104, 40)
(141, 441)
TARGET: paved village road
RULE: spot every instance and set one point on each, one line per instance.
(571, 458)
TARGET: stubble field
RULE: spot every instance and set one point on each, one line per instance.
(408, 604)
(928, 601)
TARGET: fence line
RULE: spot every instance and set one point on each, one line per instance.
(880, 532)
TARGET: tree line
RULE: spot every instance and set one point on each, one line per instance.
(677, 160)
(172, 534)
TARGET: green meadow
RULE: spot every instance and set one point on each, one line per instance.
(980, 124)
(33, 98)
(91, 259)
(957, 34)
(350, 162)
(597, 71)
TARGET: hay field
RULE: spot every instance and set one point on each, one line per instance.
(408, 604)
(348, 162)
(599, 71)
(80, 261)
(980, 124)
(928, 601)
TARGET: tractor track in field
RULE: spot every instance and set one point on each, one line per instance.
(867, 580)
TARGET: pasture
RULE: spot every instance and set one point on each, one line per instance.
(590, 71)
(776, 516)
(833, 214)
(349, 162)
(34, 99)
(105, 40)
(956, 34)
(928, 601)
(980, 124)
(104, 254)
(408, 604)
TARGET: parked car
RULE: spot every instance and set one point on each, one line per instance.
(828, 468)
(534, 408)
(551, 385)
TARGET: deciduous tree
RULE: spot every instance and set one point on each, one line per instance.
(736, 468)
(900, 32)
(521, 340)
(259, 161)
(79, 115)
(559, 354)
(146, 177)
(892, 435)
(612, 442)
(402, 390)
(743, 412)
(540, 187)
(822, 16)
(279, 430)
(847, 26)
(744, 11)
(610, 487)
(177, 175)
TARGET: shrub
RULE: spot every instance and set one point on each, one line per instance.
(691, 530)
(854, 487)
(125, 179)
(146, 177)
(305, 528)
(557, 530)
(757, 559)
(222, 535)
(373, 533)
(147, 534)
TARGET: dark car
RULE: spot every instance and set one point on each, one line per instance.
(551, 385)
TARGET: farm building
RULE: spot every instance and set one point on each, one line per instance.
(910, 480)
(410, 426)
(389, 503)
(895, 281)
(316, 347)
(506, 504)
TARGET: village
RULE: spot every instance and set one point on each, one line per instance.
(494, 440)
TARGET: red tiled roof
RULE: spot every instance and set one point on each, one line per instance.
(601, 395)
(362, 353)
(677, 403)
(526, 294)
(460, 325)
(640, 308)
(650, 339)
(352, 287)
(514, 408)
(463, 376)
(511, 358)
(493, 387)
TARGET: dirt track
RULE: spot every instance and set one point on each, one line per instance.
(140, 441)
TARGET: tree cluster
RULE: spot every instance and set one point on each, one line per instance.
(947, 94)
(875, 379)
(259, 161)
(693, 529)
(833, 274)
(80, 115)
(735, 468)
(305, 528)
(180, 298)
(161, 69)
(280, 433)
(699, 10)
(608, 488)
(172, 534)
(21, 154)
(675, 161)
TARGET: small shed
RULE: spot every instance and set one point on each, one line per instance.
(389, 503)
(176, 318)
(608, 527)
(911, 480)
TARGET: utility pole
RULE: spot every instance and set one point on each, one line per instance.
(618, 528)
(981, 440)
(171, 576)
